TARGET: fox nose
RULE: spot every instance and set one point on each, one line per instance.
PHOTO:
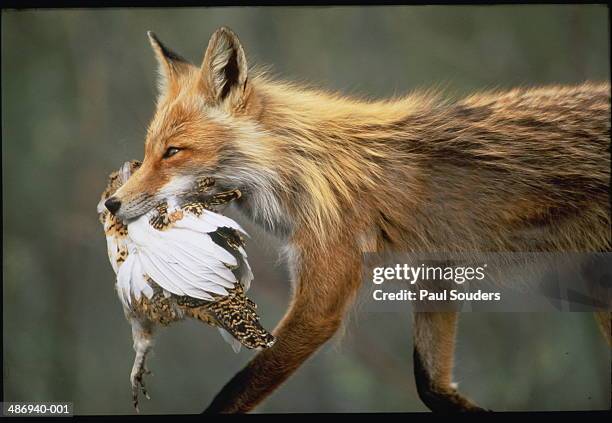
(112, 204)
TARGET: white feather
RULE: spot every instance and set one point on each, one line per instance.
(236, 345)
(182, 260)
(246, 275)
(208, 222)
(139, 284)
(112, 246)
(123, 280)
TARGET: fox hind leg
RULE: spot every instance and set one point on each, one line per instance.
(434, 339)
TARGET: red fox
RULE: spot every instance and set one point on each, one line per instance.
(334, 176)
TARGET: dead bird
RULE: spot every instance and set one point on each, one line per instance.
(181, 259)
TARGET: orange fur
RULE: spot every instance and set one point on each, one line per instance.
(332, 175)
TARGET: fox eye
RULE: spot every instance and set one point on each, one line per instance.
(171, 151)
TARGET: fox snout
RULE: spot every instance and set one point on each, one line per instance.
(124, 196)
(130, 203)
(144, 190)
(112, 205)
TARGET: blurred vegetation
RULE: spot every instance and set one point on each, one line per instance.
(78, 88)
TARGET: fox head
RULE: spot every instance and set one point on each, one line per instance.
(201, 127)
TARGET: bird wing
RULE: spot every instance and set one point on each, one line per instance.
(246, 274)
(229, 338)
(124, 276)
(124, 260)
(184, 259)
(207, 222)
(113, 245)
(115, 242)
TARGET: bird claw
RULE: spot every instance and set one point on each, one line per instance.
(138, 384)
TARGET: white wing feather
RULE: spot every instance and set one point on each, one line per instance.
(184, 259)
(123, 280)
(207, 222)
(227, 337)
(112, 246)
(139, 285)
(244, 273)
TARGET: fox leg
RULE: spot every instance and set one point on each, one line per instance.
(325, 286)
(434, 344)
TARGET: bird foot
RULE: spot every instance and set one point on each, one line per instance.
(136, 378)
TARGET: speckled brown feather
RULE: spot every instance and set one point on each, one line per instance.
(235, 312)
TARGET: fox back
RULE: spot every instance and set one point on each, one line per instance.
(491, 172)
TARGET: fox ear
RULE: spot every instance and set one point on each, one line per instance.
(224, 69)
(171, 65)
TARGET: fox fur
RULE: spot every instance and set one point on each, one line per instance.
(521, 170)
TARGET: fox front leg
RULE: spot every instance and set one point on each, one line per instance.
(311, 320)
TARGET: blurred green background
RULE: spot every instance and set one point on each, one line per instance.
(78, 89)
